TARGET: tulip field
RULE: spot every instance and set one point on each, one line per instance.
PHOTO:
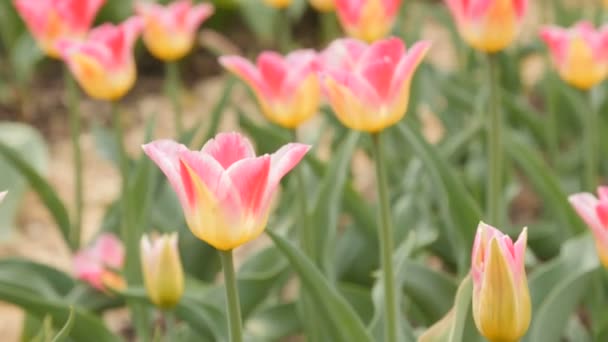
(293, 170)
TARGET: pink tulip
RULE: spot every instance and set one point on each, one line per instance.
(579, 53)
(287, 88)
(594, 211)
(368, 86)
(368, 20)
(52, 20)
(98, 264)
(501, 299)
(488, 25)
(169, 31)
(224, 189)
(103, 64)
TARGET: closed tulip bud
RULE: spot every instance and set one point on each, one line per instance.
(594, 211)
(162, 269)
(103, 64)
(50, 21)
(488, 25)
(580, 53)
(287, 88)
(368, 86)
(169, 32)
(501, 299)
(224, 189)
(367, 20)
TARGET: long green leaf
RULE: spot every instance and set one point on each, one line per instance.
(43, 189)
(64, 333)
(326, 297)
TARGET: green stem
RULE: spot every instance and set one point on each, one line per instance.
(590, 136)
(386, 244)
(127, 230)
(495, 151)
(232, 297)
(553, 127)
(170, 324)
(330, 28)
(173, 87)
(283, 30)
(74, 117)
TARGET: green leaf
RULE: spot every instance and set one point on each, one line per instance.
(43, 189)
(36, 278)
(546, 184)
(463, 209)
(273, 323)
(63, 334)
(324, 295)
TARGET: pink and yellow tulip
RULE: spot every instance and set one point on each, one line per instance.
(368, 86)
(50, 21)
(594, 211)
(501, 299)
(162, 270)
(224, 189)
(488, 25)
(169, 31)
(98, 265)
(367, 20)
(103, 64)
(580, 53)
(287, 88)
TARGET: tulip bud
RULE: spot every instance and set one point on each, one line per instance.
(488, 25)
(594, 211)
(501, 299)
(580, 53)
(162, 269)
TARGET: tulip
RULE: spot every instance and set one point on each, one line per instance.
(169, 32)
(103, 64)
(324, 6)
(501, 299)
(594, 211)
(162, 269)
(50, 21)
(488, 25)
(367, 20)
(368, 86)
(287, 88)
(224, 189)
(580, 53)
(98, 265)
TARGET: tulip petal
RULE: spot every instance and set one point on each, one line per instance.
(407, 65)
(585, 205)
(246, 71)
(109, 250)
(250, 179)
(228, 148)
(197, 15)
(391, 49)
(282, 161)
(165, 153)
(273, 71)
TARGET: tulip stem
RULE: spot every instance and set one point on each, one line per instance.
(232, 297)
(553, 126)
(386, 245)
(495, 151)
(590, 136)
(172, 88)
(72, 101)
(169, 318)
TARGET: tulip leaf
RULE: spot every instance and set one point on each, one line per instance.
(273, 323)
(325, 296)
(64, 333)
(44, 190)
(544, 181)
(462, 207)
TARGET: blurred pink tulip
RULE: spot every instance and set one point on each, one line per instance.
(287, 88)
(488, 25)
(169, 31)
(368, 20)
(103, 64)
(52, 20)
(580, 53)
(98, 264)
(594, 211)
(368, 86)
(501, 299)
(224, 189)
